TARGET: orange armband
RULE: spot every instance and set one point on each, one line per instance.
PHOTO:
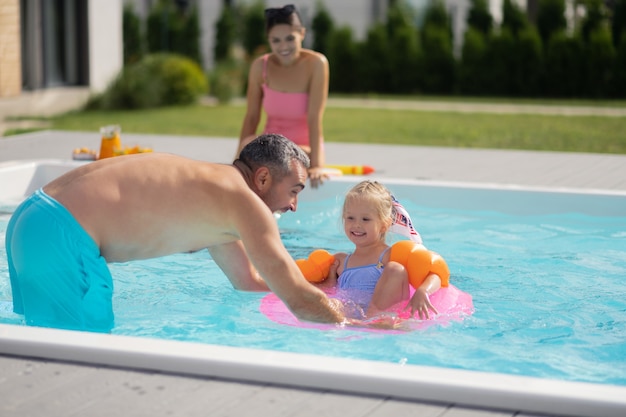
(317, 266)
(419, 262)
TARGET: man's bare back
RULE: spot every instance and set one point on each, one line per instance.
(152, 205)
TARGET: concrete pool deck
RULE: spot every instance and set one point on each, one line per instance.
(484, 166)
(39, 387)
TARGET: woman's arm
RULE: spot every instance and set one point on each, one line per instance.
(318, 94)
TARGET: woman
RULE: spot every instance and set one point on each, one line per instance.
(291, 85)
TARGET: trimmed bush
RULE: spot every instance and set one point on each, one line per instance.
(322, 27)
(473, 72)
(225, 35)
(132, 36)
(479, 17)
(171, 30)
(343, 60)
(620, 68)
(228, 80)
(374, 61)
(254, 38)
(564, 66)
(405, 61)
(438, 75)
(618, 23)
(513, 17)
(600, 56)
(501, 57)
(436, 15)
(439, 64)
(404, 51)
(595, 16)
(156, 80)
(551, 18)
(528, 70)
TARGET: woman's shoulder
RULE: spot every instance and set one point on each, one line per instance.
(258, 62)
(316, 63)
(256, 69)
(314, 55)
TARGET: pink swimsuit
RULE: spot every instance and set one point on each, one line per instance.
(286, 112)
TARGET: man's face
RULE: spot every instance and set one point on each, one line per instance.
(282, 195)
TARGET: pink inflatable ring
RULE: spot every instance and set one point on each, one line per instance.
(451, 303)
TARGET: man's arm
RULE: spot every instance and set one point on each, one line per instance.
(233, 260)
(260, 237)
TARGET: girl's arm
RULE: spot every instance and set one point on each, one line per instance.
(335, 270)
(420, 302)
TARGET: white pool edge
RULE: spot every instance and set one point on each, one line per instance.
(432, 384)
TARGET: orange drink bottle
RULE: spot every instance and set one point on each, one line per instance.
(110, 141)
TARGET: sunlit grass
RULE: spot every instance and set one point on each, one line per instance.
(409, 127)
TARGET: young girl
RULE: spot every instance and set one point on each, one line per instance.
(366, 276)
(291, 85)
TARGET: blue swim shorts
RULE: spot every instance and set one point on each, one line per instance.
(58, 277)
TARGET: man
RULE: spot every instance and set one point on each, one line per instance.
(144, 206)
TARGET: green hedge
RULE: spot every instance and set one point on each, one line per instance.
(407, 55)
(172, 30)
(474, 76)
(156, 80)
(343, 59)
(564, 61)
(516, 59)
(600, 60)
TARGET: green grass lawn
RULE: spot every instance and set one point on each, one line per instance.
(409, 127)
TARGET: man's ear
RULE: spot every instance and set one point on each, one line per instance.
(262, 179)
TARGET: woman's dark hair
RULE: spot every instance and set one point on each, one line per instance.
(275, 152)
(286, 15)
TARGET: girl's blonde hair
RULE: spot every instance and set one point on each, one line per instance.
(373, 193)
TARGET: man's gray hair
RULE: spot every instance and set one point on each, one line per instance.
(275, 152)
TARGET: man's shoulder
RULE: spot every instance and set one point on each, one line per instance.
(223, 175)
(228, 181)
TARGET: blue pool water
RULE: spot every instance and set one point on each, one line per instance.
(548, 282)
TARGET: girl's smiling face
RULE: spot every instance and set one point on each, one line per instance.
(361, 222)
(286, 42)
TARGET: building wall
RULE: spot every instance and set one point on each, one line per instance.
(104, 38)
(209, 13)
(106, 57)
(10, 57)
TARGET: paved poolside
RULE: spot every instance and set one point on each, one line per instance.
(47, 388)
(517, 168)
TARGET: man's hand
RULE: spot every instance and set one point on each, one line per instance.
(381, 322)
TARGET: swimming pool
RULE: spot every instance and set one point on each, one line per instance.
(484, 228)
